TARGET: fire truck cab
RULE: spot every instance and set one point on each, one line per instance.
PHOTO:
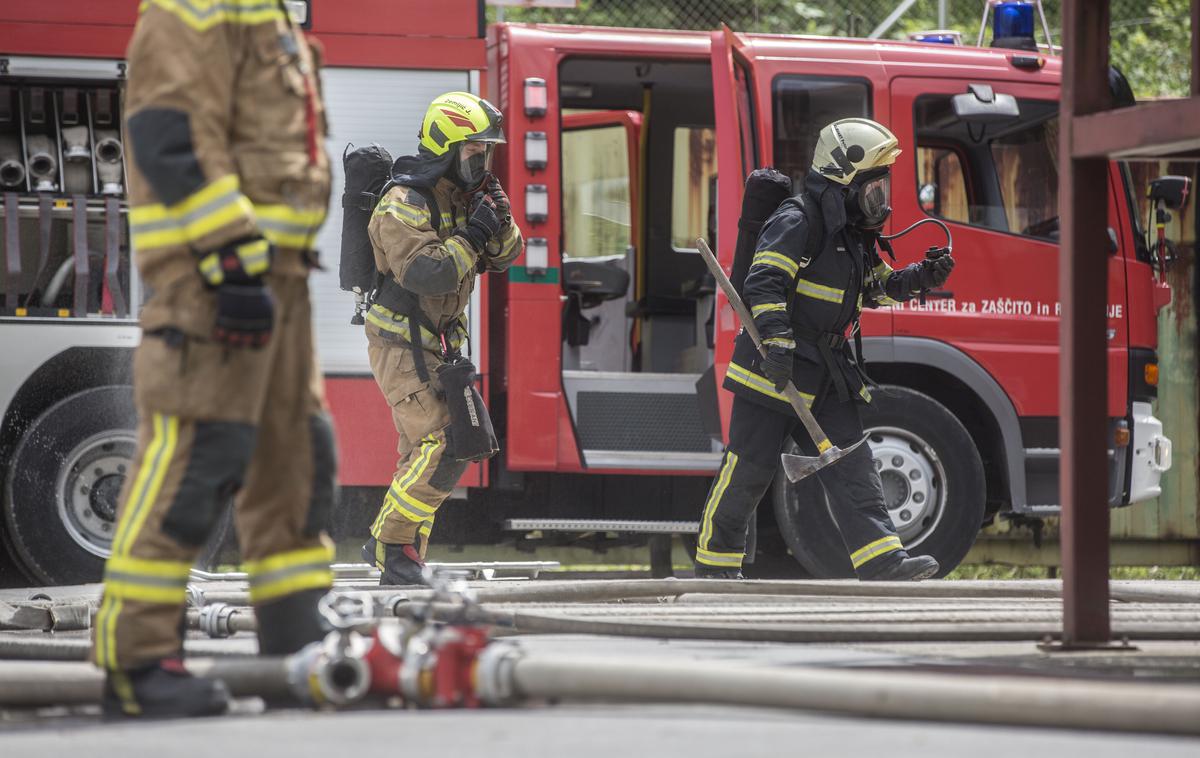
(625, 146)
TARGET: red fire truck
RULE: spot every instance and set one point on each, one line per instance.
(601, 352)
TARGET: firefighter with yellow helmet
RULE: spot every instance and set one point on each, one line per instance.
(443, 220)
(815, 266)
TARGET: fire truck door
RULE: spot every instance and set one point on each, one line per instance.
(735, 158)
(601, 188)
(996, 185)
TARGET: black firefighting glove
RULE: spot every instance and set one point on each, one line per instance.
(935, 270)
(777, 366)
(245, 314)
(500, 198)
(240, 262)
(483, 223)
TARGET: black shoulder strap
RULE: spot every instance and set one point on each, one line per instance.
(814, 244)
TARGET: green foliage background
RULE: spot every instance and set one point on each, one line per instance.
(1150, 38)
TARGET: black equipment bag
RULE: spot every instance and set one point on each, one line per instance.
(367, 171)
(766, 188)
(470, 436)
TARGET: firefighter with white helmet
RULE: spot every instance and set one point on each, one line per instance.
(815, 266)
(444, 220)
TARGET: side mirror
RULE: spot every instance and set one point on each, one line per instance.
(1171, 191)
(980, 104)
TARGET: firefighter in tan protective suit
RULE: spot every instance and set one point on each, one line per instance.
(444, 220)
(228, 184)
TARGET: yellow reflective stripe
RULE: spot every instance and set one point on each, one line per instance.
(202, 15)
(511, 238)
(146, 593)
(758, 310)
(882, 271)
(106, 622)
(146, 567)
(724, 560)
(864, 394)
(759, 383)
(409, 214)
(288, 227)
(288, 559)
(255, 257)
(820, 291)
(315, 579)
(398, 500)
(214, 206)
(784, 342)
(151, 472)
(875, 549)
(464, 259)
(714, 498)
(387, 320)
(447, 220)
(292, 571)
(772, 258)
(426, 528)
(210, 269)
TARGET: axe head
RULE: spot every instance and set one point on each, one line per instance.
(799, 466)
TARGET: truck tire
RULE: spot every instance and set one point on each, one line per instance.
(933, 485)
(64, 481)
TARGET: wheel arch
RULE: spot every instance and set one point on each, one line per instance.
(958, 382)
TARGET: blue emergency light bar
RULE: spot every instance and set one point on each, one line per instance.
(937, 38)
(1012, 25)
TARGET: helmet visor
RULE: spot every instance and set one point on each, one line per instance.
(475, 162)
(875, 199)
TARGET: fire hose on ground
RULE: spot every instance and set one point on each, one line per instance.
(457, 665)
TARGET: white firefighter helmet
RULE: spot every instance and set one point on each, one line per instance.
(850, 145)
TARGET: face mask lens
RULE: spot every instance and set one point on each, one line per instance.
(474, 163)
(876, 197)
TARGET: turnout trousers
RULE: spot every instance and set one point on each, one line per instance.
(215, 423)
(756, 439)
(426, 472)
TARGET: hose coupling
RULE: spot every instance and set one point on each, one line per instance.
(214, 620)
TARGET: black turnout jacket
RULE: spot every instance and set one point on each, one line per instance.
(811, 303)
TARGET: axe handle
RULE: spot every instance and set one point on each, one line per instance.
(818, 436)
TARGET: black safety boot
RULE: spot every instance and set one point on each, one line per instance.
(163, 689)
(912, 568)
(717, 572)
(400, 564)
(288, 624)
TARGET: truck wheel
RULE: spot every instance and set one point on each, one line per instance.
(933, 485)
(64, 481)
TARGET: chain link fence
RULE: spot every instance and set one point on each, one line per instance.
(1151, 38)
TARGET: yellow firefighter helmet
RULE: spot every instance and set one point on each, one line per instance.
(850, 145)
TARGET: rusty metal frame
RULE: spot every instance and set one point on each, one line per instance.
(1091, 134)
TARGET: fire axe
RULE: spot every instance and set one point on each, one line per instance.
(795, 466)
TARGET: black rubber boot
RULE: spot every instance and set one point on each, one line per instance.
(290, 623)
(912, 568)
(163, 689)
(400, 564)
(716, 572)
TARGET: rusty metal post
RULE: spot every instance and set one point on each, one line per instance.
(1083, 288)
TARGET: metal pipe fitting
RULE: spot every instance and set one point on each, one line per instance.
(12, 168)
(109, 167)
(75, 143)
(214, 620)
(41, 163)
(318, 677)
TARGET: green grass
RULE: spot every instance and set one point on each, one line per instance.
(992, 571)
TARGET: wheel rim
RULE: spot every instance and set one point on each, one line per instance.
(913, 479)
(88, 487)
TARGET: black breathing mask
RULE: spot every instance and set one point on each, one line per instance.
(869, 198)
(470, 171)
